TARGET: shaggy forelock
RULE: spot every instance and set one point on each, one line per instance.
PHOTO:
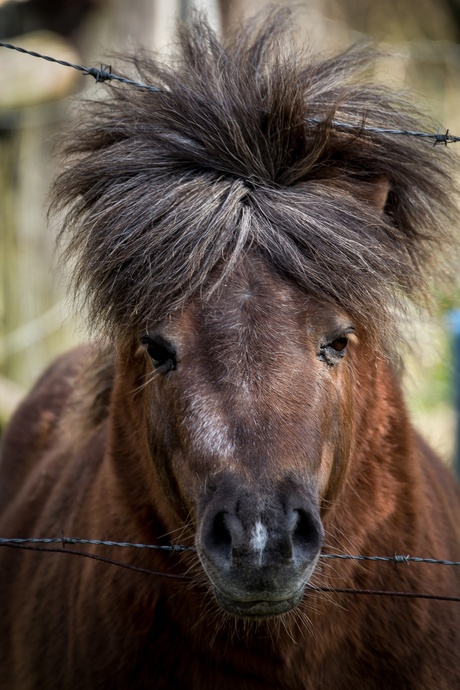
(165, 192)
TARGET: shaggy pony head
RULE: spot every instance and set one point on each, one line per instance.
(240, 151)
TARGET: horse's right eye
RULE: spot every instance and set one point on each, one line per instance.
(161, 352)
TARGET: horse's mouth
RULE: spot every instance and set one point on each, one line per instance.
(258, 608)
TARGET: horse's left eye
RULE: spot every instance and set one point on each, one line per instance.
(161, 352)
(339, 344)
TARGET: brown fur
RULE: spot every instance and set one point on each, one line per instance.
(215, 224)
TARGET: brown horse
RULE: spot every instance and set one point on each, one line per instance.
(246, 239)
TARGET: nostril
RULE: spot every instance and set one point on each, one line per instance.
(307, 533)
(220, 538)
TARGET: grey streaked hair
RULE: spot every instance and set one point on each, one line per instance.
(165, 192)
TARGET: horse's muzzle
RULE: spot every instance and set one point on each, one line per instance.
(259, 552)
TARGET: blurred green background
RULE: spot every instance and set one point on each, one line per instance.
(39, 101)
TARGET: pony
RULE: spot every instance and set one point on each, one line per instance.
(246, 242)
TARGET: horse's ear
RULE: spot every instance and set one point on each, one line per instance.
(375, 192)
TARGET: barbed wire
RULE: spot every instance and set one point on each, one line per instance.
(96, 542)
(104, 74)
(33, 544)
(100, 75)
(96, 557)
(438, 137)
(395, 558)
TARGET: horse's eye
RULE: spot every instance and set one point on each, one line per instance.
(333, 350)
(161, 352)
(339, 344)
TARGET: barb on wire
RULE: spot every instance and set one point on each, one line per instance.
(100, 74)
(438, 137)
(396, 558)
(104, 73)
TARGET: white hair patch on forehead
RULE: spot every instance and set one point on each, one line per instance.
(208, 428)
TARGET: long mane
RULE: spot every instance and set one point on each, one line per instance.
(239, 151)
